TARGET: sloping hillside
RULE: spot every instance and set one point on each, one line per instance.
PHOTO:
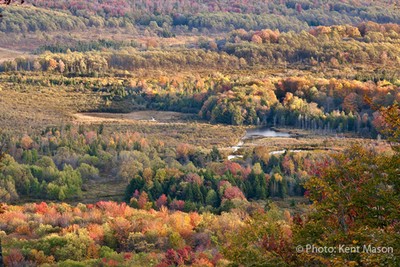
(165, 17)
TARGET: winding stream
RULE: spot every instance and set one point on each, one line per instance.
(259, 133)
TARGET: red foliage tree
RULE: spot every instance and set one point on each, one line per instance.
(233, 192)
(14, 258)
(193, 178)
(177, 204)
(180, 257)
(41, 208)
(232, 167)
(161, 201)
(143, 199)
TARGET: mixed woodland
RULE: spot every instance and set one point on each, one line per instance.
(113, 191)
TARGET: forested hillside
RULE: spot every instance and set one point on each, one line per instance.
(210, 16)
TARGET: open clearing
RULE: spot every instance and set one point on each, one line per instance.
(148, 115)
(26, 110)
(8, 54)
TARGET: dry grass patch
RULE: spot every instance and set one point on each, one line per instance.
(37, 107)
(8, 54)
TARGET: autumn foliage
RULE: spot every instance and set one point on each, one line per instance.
(107, 233)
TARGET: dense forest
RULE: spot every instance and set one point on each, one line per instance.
(322, 49)
(55, 165)
(199, 133)
(166, 17)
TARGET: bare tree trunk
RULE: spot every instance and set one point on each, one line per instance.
(1, 256)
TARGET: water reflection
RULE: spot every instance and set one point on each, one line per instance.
(264, 132)
(256, 133)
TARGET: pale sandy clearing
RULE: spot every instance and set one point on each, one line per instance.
(7, 54)
(160, 117)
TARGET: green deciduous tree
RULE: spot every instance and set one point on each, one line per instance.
(264, 240)
(355, 197)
